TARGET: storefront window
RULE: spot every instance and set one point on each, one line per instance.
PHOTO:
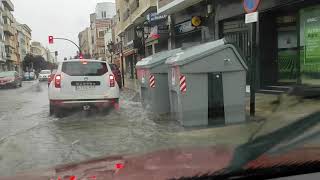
(310, 45)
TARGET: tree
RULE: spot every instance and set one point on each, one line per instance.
(27, 63)
(37, 63)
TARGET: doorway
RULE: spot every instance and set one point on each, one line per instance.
(215, 99)
(287, 54)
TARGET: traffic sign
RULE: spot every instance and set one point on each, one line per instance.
(251, 5)
(252, 17)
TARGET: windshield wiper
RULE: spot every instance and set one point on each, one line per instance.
(253, 149)
(261, 173)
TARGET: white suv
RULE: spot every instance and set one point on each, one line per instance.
(83, 83)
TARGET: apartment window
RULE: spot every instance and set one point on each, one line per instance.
(118, 12)
(101, 34)
(104, 14)
(5, 20)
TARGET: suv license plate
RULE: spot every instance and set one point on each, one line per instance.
(84, 88)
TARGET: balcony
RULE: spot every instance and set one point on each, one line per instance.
(8, 29)
(9, 15)
(9, 43)
(8, 4)
(133, 4)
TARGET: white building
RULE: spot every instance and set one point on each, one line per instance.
(105, 10)
(2, 46)
(24, 38)
(38, 50)
(107, 40)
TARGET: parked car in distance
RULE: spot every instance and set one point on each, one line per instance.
(10, 79)
(51, 76)
(117, 73)
(29, 76)
(44, 75)
(83, 84)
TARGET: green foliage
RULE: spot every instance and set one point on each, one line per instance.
(37, 63)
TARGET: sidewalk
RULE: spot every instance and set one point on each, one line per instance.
(132, 84)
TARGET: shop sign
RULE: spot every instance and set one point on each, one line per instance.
(155, 17)
(129, 46)
(312, 40)
(184, 27)
(251, 5)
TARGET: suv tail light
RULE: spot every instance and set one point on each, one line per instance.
(57, 81)
(111, 80)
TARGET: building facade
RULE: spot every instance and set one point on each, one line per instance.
(84, 42)
(100, 22)
(24, 39)
(10, 32)
(37, 49)
(3, 57)
(130, 29)
(281, 49)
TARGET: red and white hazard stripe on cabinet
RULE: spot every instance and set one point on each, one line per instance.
(183, 84)
(152, 81)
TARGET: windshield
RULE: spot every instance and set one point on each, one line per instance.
(7, 74)
(158, 89)
(45, 72)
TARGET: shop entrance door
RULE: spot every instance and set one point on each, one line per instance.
(287, 56)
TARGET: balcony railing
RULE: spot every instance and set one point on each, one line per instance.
(8, 4)
(9, 15)
(126, 14)
(133, 4)
(9, 43)
(8, 29)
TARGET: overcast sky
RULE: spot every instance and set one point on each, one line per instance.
(59, 18)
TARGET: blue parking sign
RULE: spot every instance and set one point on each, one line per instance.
(251, 5)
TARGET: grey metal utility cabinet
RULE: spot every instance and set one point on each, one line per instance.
(207, 84)
(153, 77)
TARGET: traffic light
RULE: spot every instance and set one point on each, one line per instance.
(50, 39)
(56, 53)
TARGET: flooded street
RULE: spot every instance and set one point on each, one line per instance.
(30, 138)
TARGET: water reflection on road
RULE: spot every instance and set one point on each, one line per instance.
(30, 138)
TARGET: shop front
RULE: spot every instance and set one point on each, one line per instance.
(287, 40)
(192, 25)
(129, 53)
(157, 31)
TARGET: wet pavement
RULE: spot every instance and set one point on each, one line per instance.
(31, 139)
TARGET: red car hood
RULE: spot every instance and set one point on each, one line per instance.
(164, 164)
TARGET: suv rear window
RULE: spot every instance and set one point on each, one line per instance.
(84, 68)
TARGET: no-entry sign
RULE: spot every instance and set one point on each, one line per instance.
(251, 5)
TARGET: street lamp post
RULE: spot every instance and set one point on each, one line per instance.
(121, 56)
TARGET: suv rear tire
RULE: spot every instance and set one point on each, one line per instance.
(51, 109)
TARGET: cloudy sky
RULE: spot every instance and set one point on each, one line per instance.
(60, 18)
